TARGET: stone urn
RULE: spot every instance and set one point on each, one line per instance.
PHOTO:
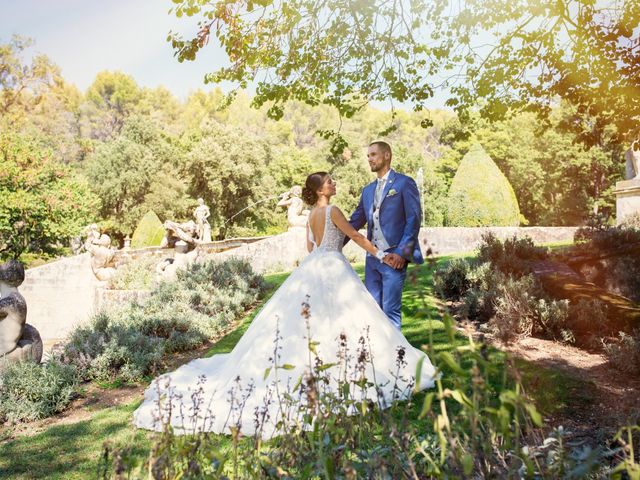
(18, 340)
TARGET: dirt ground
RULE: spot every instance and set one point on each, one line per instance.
(614, 398)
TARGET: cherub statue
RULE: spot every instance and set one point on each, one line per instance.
(101, 256)
(13, 308)
(18, 340)
(296, 214)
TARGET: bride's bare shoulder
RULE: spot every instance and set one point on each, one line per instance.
(336, 211)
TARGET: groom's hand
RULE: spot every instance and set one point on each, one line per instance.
(395, 261)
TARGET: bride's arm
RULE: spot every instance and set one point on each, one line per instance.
(309, 244)
(341, 222)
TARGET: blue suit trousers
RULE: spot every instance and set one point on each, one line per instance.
(385, 285)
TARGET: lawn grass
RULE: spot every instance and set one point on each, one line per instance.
(73, 451)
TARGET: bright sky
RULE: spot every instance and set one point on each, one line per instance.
(84, 37)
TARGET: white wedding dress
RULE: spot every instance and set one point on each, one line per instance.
(234, 389)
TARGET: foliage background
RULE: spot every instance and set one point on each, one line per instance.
(118, 150)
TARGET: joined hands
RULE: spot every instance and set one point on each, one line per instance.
(395, 261)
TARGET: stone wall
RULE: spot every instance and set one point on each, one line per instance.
(65, 293)
(124, 256)
(59, 295)
(285, 251)
(273, 254)
(448, 240)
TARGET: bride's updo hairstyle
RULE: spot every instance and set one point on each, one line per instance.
(313, 183)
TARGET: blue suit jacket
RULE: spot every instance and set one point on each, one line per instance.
(400, 215)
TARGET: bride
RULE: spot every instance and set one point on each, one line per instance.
(339, 318)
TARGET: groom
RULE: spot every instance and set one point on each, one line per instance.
(390, 206)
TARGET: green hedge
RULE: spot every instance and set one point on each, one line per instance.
(480, 195)
(149, 231)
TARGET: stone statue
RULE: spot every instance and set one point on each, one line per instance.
(297, 216)
(93, 234)
(632, 157)
(18, 340)
(101, 256)
(187, 232)
(182, 257)
(202, 214)
(90, 233)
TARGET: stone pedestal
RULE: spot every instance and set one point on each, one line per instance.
(627, 199)
(29, 348)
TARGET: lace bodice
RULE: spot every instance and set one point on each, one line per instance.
(332, 238)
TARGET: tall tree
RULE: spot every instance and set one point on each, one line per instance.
(228, 168)
(557, 182)
(43, 203)
(35, 100)
(137, 172)
(516, 55)
(110, 99)
(23, 86)
(586, 53)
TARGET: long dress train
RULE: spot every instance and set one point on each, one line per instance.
(322, 311)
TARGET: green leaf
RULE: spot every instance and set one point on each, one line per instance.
(426, 405)
(467, 464)
(448, 359)
(266, 373)
(288, 366)
(536, 418)
(418, 374)
(313, 346)
(461, 398)
(326, 366)
(449, 324)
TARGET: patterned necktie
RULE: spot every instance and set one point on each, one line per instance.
(378, 194)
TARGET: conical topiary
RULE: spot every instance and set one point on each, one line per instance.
(149, 232)
(480, 194)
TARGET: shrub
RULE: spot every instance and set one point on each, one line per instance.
(625, 353)
(511, 256)
(149, 232)
(139, 274)
(588, 321)
(622, 276)
(480, 194)
(106, 350)
(128, 343)
(553, 316)
(593, 238)
(470, 427)
(232, 273)
(452, 281)
(29, 391)
(515, 307)
(478, 302)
